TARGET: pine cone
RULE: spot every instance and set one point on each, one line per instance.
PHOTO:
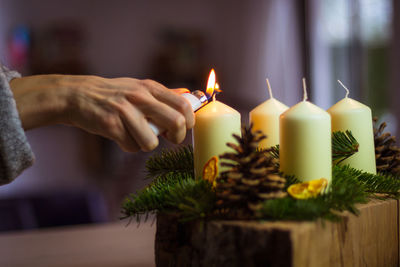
(387, 154)
(252, 178)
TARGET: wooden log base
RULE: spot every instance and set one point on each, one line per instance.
(371, 239)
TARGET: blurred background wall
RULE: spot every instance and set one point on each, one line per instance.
(79, 178)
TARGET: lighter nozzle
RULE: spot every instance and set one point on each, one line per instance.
(201, 96)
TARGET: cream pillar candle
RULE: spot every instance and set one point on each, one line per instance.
(305, 142)
(265, 117)
(215, 124)
(349, 114)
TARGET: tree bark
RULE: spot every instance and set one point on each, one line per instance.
(371, 239)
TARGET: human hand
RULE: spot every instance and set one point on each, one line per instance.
(118, 109)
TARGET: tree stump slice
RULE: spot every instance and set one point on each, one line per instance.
(371, 239)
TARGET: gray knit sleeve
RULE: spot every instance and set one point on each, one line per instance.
(15, 151)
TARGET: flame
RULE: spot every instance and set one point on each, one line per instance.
(216, 88)
(211, 83)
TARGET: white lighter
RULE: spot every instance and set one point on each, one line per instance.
(197, 99)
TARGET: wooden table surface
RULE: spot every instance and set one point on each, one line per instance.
(114, 244)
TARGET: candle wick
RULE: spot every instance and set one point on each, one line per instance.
(305, 96)
(269, 89)
(347, 90)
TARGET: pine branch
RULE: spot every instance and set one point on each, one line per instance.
(170, 162)
(386, 184)
(273, 151)
(152, 198)
(290, 179)
(175, 193)
(345, 192)
(297, 210)
(344, 145)
(193, 198)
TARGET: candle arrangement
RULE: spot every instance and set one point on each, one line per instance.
(322, 163)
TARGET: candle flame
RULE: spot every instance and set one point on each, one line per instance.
(212, 85)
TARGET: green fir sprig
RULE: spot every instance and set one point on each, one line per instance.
(170, 162)
(344, 193)
(180, 193)
(152, 198)
(273, 151)
(385, 185)
(297, 210)
(290, 179)
(344, 145)
(193, 199)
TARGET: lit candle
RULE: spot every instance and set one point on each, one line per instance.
(215, 124)
(305, 141)
(265, 118)
(349, 114)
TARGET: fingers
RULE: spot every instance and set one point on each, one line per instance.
(121, 109)
(114, 129)
(168, 119)
(138, 127)
(173, 99)
(137, 107)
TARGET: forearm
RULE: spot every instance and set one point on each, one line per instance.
(41, 100)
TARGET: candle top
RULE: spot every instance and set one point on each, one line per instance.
(215, 108)
(271, 106)
(348, 104)
(305, 109)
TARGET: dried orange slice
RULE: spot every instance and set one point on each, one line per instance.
(308, 189)
(299, 191)
(317, 186)
(210, 170)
